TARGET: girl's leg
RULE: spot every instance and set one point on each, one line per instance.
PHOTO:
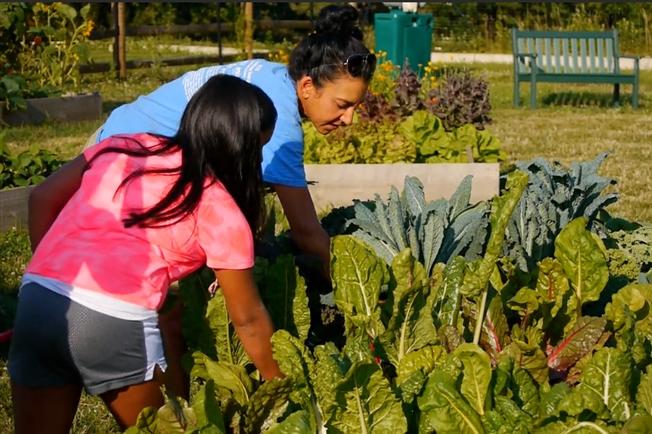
(176, 380)
(127, 402)
(49, 410)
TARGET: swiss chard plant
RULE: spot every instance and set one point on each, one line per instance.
(466, 346)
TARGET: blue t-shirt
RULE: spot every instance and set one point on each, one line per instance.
(160, 113)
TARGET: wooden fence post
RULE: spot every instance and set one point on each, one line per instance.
(249, 29)
(120, 44)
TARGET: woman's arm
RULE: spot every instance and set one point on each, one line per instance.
(48, 198)
(306, 230)
(250, 318)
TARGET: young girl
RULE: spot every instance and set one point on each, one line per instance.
(144, 210)
(327, 76)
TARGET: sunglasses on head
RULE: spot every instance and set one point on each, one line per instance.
(358, 65)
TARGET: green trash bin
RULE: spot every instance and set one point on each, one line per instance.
(404, 35)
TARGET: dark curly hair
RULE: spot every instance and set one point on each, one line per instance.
(321, 54)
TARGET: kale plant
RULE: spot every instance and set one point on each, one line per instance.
(435, 231)
(555, 196)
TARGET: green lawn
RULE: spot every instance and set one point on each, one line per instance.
(572, 123)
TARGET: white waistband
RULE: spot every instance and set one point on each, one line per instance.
(93, 300)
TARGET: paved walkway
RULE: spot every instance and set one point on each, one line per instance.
(437, 57)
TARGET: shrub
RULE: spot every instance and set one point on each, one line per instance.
(461, 99)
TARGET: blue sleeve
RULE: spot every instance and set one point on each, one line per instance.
(283, 154)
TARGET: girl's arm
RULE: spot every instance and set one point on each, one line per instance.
(250, 318)
(48, 198)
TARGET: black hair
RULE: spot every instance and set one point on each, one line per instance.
(219, 138)
(322, 53)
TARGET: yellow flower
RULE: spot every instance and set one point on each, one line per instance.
(89, 28)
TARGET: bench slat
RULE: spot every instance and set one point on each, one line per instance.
(592, 65)
(601, 66)
(610, 54)
(583, 54)
(546, 45)
(564, 45)
(555, 44)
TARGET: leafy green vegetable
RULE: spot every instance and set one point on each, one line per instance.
(581, 254)
(444, 410)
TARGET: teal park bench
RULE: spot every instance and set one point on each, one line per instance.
(569, 57)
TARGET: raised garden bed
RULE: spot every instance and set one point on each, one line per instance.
(338, 184)
(63, 108)
(13, 207)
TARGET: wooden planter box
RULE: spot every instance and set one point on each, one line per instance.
(333, 185)
(61, 108)
(13, 207)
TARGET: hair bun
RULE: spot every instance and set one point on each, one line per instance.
(338, 20)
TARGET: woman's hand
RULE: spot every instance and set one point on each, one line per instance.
(250, 318)
(48, 198)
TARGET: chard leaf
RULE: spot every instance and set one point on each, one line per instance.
(604, 387)
(581, 255)
(284, 295)
(293, 358)
(477, 375)
(501, 211)
(495, 330)
(639, 424)
(552, 284)
(410, 327)
(228, 347)
(424, 360)
(579, 342)
(175, 416)
(295, 362)
(550, 400)
(444, 410)
(330, 369)
(526, 392)
(411, 388)
(630, 315)
(296, 423)
(230, 380)
(507, 418)
(367, 404)
(358, 275)
(145, 423)
(448, 298)
(529, 357)
(207, 410)
(267, 404)
(644, 393)
(525, 302)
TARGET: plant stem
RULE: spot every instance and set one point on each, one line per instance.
(480, 317)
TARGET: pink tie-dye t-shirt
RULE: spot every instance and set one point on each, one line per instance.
(89, 247)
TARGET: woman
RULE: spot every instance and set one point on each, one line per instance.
(327, 76)
(112, 229)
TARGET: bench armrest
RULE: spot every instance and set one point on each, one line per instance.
(636, 61)
(533, 59)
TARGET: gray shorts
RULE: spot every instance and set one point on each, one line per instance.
(58, 342)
